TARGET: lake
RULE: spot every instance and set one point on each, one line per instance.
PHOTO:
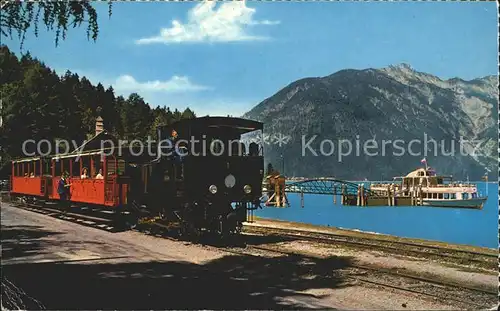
(458, 226)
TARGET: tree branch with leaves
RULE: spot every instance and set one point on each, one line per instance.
(18, 17)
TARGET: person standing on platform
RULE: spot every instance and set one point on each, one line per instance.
(63, 189)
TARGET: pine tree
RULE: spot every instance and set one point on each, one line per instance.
(38, 104)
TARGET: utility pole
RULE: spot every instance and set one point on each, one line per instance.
(282, 164)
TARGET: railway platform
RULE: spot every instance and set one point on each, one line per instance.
(41, 255)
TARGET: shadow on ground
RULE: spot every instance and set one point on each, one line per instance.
(231, 282)
(24, 241)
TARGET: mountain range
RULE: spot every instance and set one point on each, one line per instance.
(386, 109)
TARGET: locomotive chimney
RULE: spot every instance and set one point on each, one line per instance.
(99, 125)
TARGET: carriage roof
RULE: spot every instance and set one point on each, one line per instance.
(239, 125)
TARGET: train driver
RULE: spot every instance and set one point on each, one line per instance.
(63, 189)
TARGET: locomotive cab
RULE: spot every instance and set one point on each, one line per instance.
(206, 175)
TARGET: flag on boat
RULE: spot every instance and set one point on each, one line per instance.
(423, 160)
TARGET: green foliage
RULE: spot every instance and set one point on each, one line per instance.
(38, 104)
(19, 16)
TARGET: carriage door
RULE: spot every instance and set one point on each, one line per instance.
(110, 184)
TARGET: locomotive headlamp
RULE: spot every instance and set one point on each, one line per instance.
(247, 189)
(230, 181)
(212, 189)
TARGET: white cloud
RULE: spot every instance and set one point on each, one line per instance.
(205, 23)
(177, 92)
(175, 84)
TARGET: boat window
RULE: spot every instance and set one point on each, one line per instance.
(434, 195)
(465, 195)
(440, 195)
(453, 196)
(446, 196)
(474, 195)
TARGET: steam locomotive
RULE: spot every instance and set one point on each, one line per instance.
(203, 176)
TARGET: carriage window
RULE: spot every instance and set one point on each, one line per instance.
(26, 169)
(17, 169)
(85, 164)
(75, 167)
(37, 168)
(98, 164)
(58, 167)
(66, 165)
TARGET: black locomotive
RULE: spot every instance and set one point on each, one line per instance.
(204, 177)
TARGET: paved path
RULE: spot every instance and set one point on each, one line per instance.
(54, 264)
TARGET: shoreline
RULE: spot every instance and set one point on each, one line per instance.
(365, 234)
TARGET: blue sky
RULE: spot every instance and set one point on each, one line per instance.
(225, 58)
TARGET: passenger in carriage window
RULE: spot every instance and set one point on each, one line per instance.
(32, 175)
(84, 173)
(99, 174)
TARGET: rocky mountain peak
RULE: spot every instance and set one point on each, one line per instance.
(392, 103)
(402, 67)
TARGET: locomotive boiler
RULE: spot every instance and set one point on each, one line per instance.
(204, 176)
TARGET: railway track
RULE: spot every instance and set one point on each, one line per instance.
(463, 257)
(463, 297)
(82, 215)
(77, 215)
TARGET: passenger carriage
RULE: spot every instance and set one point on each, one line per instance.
(39, 178)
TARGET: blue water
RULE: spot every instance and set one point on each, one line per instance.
(458, 226)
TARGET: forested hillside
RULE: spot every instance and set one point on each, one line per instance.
(38, 104)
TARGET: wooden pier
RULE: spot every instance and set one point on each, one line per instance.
(276, 188)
